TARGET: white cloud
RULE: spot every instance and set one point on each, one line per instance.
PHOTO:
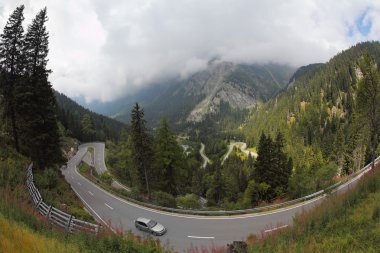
(106, 49)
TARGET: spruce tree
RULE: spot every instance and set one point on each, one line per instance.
(264, 161)
(368, 102)
(11, 66)
(216, 191)
(141, 147)
(40, 135)
(168, 160)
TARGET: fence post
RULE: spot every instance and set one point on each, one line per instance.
(69, 223)
(39, 203)
(48, 213)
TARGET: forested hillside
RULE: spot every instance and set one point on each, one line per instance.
(321, 118)
(84, 124)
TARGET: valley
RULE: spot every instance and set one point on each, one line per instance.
(180, 127)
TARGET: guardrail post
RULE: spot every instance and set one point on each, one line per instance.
(48, 213)
(69, 223)
(39, 203)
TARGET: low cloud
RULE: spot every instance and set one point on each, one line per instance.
(104, 50)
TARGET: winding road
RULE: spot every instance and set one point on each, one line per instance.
(242, 148)
(205, 158)
(184, 231)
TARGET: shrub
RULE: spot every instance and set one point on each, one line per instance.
(48, 179)
(190, 201)
(106, 178)
(164, 199)
(376, 213)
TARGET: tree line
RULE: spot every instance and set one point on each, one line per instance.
(329, 117)
(28, 102)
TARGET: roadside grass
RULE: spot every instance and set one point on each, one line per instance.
(28, 241)
(23, 229)
(347, 222)
(57, 192)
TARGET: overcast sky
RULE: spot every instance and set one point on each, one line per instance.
(103, 50)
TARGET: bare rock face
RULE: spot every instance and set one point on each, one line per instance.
(215, 88)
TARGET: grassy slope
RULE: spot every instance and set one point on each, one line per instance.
(343, 223)
(22, 229)
(27, 240)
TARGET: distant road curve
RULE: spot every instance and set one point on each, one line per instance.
(242, 148)
(205, 158)
(184, 231)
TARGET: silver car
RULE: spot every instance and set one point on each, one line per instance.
(150, 226)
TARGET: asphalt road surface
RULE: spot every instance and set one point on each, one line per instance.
(184, 231)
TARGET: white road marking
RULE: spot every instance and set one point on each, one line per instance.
(110, 207)
(93, 211)
(273, 229)
(243, 216)
(79, 183)
(91, 193)
(201, 237)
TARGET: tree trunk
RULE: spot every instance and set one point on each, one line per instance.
(147, 183)
(14, 129)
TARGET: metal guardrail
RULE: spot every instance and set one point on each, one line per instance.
(244, 211)
(64, 220)
(257, 209)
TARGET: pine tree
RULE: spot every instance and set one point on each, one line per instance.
(284, 164)
(40, 135)
(11, 66)
(264, 161)
(168, 160)
(216, 191)
(368, 101)
(141, 147)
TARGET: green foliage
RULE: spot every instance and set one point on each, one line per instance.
(141, 148)
(376, 213)
(216, 191)
(320, 119)
(71, 115)
(106, 178)
(368, 101)
(12, 67)
(346, 222)
(163, 199)
(189, 201)
(48, 179)
(273, 167)
(169, 161)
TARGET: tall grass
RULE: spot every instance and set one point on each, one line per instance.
(23, 229)
(346, 222)
(19, 238)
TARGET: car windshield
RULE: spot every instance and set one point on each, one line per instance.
(152, 223)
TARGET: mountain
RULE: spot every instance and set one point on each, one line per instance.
(84, 124)
(240, 86)
(318, 116)
(304, 70)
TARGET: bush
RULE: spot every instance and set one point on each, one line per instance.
(164, 199)
(106, 178)
(190, 201)
(376, 213)
(48, 179)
